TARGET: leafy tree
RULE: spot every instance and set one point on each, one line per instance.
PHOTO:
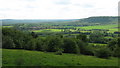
(15, 37)
(31, 45)
(84, 48)
(69, 46)
(97, 37)
(114, 47)
(116, 52)
(34, 35)
(40, 44)
(7, 42)
(54, 44)
(113, 44)
(82, 37)
(103, 53)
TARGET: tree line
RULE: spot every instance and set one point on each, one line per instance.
(16, 39)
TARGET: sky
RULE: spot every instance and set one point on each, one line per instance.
(57, 9)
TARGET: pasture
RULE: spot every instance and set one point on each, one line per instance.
(14, 57)
(7, 26)
(47, 30)
(110, 27)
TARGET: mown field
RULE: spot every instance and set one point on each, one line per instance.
(7, 26)
(14, 57)
(100, 26)
(111, 27)
(47, 30)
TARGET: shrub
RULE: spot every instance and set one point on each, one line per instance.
(116, 52)
(103, 53)
(39, 44)
(82, 37)
(54, 43)
(84, 48)
(112, 44)
(69, 45)
(8, 42)
(58, 53)
(88, 51)
(31, 45)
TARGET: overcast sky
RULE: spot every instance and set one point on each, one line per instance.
(57, 9)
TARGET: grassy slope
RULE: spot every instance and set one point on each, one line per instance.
(37, 58)
(7, 26)
(101, 26)
(47, 30)
(111, 27)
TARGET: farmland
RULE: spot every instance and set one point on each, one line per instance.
(86, 42)
(111, 27)
(47, 30)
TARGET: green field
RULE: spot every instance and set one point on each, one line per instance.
(111, 27)
(7, 26)
(47, 30)
(98, 44)
(37, 58)
(100, 26)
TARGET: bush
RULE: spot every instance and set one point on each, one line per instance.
(116, 52)
(54, 43)
(58, 53)
(103, 53)
(7, 42)
(82, 37)
(70, 46)
(88, 51)
(112, 44)
(84, 48)
(39, 45)
(31, 45)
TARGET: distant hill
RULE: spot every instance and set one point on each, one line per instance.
(99, 19)
(15, 21)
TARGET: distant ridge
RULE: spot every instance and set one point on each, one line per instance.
(15, 21)
(100, 19)
(95, 19)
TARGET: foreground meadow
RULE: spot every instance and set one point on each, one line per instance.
(16, 57)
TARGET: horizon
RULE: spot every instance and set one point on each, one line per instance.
(59, 19)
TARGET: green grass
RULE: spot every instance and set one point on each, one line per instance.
(36, 58)
(100, 26)
(0, 57)
(98, 44)
(7, 26)
(47, 30)
(113, 29)
(110, 27)
(109, 37)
